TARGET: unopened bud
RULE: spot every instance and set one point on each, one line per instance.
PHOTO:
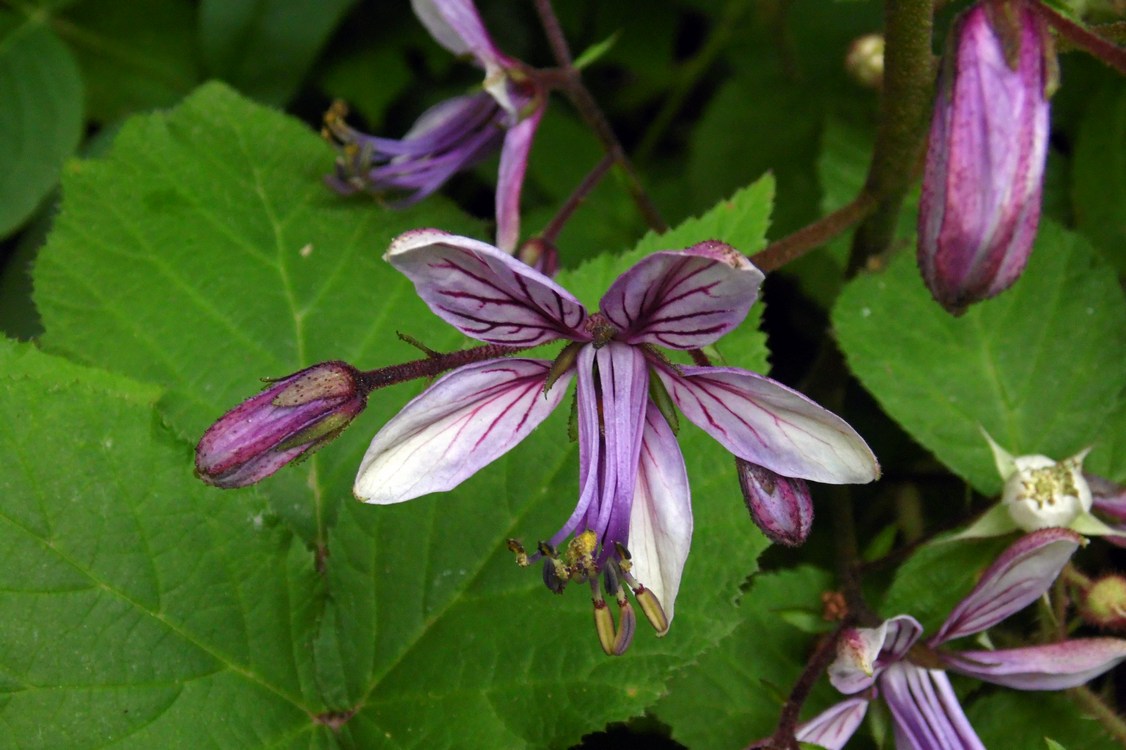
(780, 506)
(541, 255)
(291, 418)
(1104, 603)
(980, 204)
(865, 60)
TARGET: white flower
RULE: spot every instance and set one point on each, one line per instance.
(1039, 493)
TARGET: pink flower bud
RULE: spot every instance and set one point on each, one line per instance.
(985, 157)
(292, 417)
(780, 506)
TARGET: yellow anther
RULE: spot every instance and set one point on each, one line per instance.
(518, 549)
(653, 610)
(604, 625)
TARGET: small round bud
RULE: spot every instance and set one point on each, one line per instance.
(1104, 603)
(865, 61)
(540, 254)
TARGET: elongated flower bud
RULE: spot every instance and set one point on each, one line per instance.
(985, 159)
(292, 417)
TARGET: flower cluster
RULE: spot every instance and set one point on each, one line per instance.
(892, 663)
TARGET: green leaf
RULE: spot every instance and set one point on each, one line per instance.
(1099, 173)
(1011, 718)
(368, 80)
(204, 251)
(138, 605)
(734, 694)
(1039, 366)
(1108, 458)
(41, 119)
(265, 47)
(132, 60)
(595, 51)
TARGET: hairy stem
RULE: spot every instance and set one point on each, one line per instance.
(432, 365)
(793, 246)
(589, 182)
(1083, 38)
(904, 109)
(818, 661)
(1090, 702)
(570, 82)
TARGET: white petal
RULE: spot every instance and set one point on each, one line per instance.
(768, 424)
(1018, 577)
(660, 525)
(463, 422)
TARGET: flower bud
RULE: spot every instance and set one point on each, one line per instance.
(980, 204)
(1104, 603)
(865, 61)
(541, 255)
(780, 506)
(291, 418)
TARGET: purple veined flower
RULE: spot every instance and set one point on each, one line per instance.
(292, 417)
(910, 676)
(452, 135)
(980, 205)
(632, 525)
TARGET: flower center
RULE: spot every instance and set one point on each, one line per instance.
(600, 330)
(579, 563)
(1046, 495)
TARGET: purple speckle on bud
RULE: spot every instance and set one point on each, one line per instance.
(292, 417)
(985, 157)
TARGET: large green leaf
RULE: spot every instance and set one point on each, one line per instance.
(139, 608)
(41, 116)
(202, 252)
(1010, 718)
(1099, 173)
(1039, 367)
